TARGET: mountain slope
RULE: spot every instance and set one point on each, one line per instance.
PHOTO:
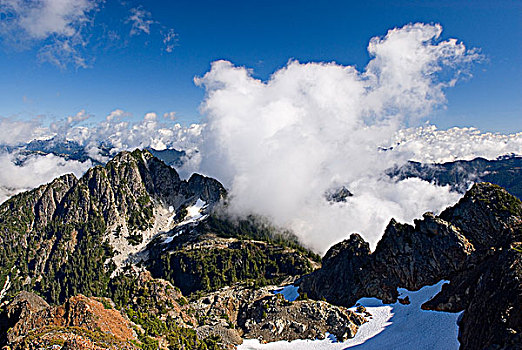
(97, 235)
(60, 238)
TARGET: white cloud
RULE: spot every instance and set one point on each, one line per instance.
(14, 132)
(170, 115)
(117, 114)
(115, 132)
(281, 144)
(141, 20)
(40, 19)
(170, 40)
(430, 145)
(62, 29)
(35, 171)
(61, 127)
(56, 23)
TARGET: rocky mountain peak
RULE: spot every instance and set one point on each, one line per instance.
(349, 248)
(412, 256)
(112, 211)
(475, 244)
(81, 323)
(486, 215)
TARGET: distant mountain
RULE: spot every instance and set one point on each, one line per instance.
(460, 175)
(69, 150)
(72, 150)
(171, 157)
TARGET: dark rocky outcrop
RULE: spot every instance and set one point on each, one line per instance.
(487, 215)
(338, 195)
(491, 297)
(474, 244)
(272, 318)
(406, 256)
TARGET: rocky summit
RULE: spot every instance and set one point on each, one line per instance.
(80, 323)
(71, 235)
(476, 245)
(261, 314)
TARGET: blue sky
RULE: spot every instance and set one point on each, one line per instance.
(126, 65)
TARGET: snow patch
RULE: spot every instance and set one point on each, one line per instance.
(394, 326)
(289, 292)
(194, 213)
(5, 288)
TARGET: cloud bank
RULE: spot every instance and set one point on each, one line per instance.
(35, 171)
(428, 144)
(281, 144)
(99, 141)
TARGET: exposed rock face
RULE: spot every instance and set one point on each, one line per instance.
(493, 317)
(272, 318)
(259, 313)
(338, 195)
(474, 244)
(491, 297)
(80, 321)
(487, 215)
(22, 306)
(403, 258)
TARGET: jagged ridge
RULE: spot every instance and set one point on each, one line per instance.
(474, 244)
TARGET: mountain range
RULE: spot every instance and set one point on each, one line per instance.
(131, 256)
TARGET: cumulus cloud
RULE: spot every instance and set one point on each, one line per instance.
(280, 144)
(59, 24)
(15, 132)
(120, 134)
(116, 133)
(61, 30)
(61, 127)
